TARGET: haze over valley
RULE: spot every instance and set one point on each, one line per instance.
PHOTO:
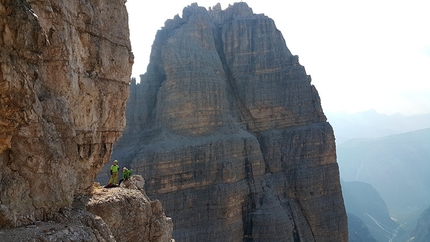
(384, 158)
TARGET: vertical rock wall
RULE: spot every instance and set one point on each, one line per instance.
(229, 133)
(64, 81)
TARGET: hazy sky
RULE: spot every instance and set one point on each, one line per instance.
(367, 54)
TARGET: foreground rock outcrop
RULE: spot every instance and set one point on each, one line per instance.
(64, 81)
(75, 224)
(130, 214)
(229, 133)
(114, 214)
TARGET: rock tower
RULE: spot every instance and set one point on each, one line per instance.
(229, 133)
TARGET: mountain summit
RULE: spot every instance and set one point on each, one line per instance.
(229, 133)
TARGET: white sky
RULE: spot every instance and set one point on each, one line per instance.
(367, 54)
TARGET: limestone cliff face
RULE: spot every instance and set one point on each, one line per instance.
(64, 81)
(229, 133)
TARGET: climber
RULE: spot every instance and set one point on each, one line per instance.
(126, 173)
(114, 173)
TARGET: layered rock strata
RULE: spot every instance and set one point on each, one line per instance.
(229, 133)
(64, 81)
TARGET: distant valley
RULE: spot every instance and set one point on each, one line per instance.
(391, 154)
(397, 166)
(364, 204)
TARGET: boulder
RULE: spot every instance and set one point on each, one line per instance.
(130, 214)
(135, 182)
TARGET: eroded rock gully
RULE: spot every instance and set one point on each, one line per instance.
(229, 133)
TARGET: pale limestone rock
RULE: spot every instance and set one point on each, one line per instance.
(135, 182)
(130, 215)
(64, 80)
(105, 215)
(69, 225)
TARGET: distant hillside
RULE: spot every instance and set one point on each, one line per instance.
(358, 231)
(422, 230)
(397, 166)
(363, 201)
(370, 124)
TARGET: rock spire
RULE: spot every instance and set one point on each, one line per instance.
(229, 134)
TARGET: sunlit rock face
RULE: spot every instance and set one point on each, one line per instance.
(229, 133)
(64, 81)
(129, 213)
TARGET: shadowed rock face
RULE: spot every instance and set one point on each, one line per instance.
(229, 133)
(64, 80)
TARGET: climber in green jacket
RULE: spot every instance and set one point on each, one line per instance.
(126, 173)
(114, 173)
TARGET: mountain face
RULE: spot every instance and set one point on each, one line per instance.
(229, 133)
(64, 84)
(64, 80)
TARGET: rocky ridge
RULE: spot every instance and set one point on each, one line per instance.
(229, 133)
(114, 214)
